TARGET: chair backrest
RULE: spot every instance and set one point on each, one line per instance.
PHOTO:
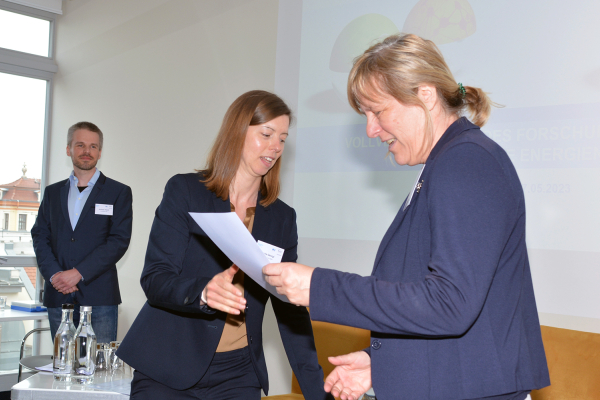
(334, 340)
(573, 358)
(574, 364)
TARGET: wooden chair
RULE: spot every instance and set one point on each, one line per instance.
(574, 364)
(330, 340)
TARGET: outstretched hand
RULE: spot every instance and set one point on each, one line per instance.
(351, 378)
(222, 295)
(291, 280)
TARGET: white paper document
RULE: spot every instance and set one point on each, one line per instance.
(228, 232)
(47, 368)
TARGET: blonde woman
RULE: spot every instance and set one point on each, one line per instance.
(450, 302)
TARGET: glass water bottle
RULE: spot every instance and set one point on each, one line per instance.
(64, 343)
(85, 348)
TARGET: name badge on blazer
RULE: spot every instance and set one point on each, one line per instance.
(273, 253)
(104, 209)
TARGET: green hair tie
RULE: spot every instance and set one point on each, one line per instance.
(462, 89)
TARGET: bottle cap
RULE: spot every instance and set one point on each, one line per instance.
(86, 308)
(68, 306)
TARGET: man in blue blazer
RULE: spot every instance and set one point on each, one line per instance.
(82, 230)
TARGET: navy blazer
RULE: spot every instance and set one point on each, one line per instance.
(450, 301)
(94, 247)
(173, 338)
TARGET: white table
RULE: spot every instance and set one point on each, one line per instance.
(16, 315)
(42, 386)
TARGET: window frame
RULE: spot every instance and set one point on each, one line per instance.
(37, 67)
(26, 64)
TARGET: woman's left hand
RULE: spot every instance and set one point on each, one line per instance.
(291, 280)
(351, 378)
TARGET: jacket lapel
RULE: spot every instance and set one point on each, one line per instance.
(390, 232)
(64, 202)
(89, 203)
(220, 205)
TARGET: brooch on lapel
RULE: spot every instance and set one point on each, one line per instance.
(419, 185)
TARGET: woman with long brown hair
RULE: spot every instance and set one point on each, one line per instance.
(199, 335)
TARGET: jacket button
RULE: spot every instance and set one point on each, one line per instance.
(250, 337)
(376, 344)
(72, 239)
(185, 301)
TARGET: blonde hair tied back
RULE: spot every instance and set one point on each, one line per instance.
(399, 64)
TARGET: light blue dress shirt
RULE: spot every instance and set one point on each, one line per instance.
(76, 199)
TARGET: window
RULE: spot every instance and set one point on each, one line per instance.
(22, 222)
(27, 68)
(24, 33)
(22, 130)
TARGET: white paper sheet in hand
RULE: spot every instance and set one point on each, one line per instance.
(232, 237)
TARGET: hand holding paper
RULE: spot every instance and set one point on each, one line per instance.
(291, 280)
(228, 232)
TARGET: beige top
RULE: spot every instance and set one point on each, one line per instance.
(234, 334)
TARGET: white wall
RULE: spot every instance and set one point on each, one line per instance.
(157, 76)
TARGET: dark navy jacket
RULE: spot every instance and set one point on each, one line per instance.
(173, 339)
(94, 247)
(450, 301)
